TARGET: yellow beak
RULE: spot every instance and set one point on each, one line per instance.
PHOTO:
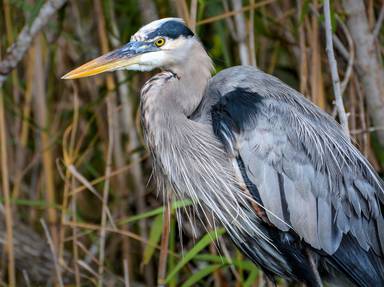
(105, 63)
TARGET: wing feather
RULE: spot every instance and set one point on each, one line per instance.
(307, 172)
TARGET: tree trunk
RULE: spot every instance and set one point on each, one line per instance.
(241, 32)
(367, 61)
(148, 11)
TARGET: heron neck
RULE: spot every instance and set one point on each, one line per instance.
(192, 77)
(170, 97)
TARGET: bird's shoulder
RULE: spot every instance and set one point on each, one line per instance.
(228, 84)
(243, 77)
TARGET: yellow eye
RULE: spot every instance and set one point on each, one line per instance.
(160, 42)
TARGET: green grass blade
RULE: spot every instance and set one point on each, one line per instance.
(203, 242)
(197, 276)
(176, 205)
(216, 259)
(154, 238)
(31, 203)
(251, 278)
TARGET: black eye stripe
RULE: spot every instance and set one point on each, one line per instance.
(172, 30)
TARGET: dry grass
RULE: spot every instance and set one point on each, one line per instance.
(72, 153)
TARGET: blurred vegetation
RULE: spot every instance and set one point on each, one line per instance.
(74, 153)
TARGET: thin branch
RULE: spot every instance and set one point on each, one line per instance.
(165, 240)
(42, 117)
(7, 209)
(184, 9)
(26, 278)
(181, 9)
(333, 67)
(316, 74)
(9, 28)
(95, 227)
(351, 59)
(54, 256)
(229, 21)
(379, 23)
(337, 42)
(16, 52)
(110, 111)
(113, 173)
(193, 15)
(368, 130)
(241, 32)
(9, 246)
(252, 49)
(75, 236)
(303, 55)
(126, 273)
(232, 13)
(74, 172)
(364, 121)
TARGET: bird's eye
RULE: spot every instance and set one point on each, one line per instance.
(160, 42)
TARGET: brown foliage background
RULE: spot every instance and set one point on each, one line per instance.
(77, 203)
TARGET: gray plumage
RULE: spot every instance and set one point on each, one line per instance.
(288, 135)
(277, 172)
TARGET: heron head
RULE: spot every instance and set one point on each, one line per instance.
(163, 44)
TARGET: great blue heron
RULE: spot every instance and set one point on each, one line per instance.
(291, 190)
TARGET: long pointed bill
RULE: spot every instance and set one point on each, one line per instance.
(122, 58)
(101, 64)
